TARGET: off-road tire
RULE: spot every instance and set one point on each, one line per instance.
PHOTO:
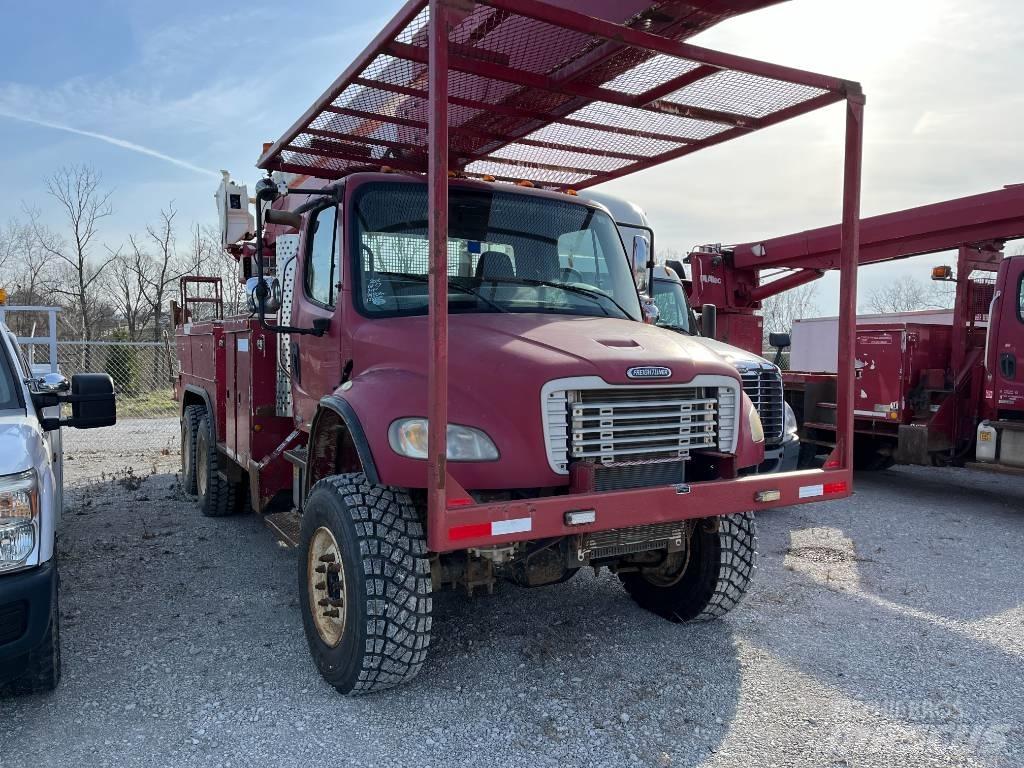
(189, 430)
(723, 552)
(216, 495)
(42, 665)
(383, 554)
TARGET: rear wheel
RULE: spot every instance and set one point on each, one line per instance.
(706, 581)
(189, 431)
(216, 494)
(364, 584)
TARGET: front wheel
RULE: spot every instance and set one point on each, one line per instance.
(708, 579)
(364, 584)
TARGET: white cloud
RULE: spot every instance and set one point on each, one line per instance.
(123, 143)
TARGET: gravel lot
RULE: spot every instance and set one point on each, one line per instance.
(882, 630)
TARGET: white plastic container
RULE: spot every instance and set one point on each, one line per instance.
(985, 447)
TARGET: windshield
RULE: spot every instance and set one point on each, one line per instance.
(507, 252)
(673, 311)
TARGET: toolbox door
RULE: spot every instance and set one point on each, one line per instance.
(879, 390)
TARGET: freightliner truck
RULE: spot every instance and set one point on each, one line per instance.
(418, 257)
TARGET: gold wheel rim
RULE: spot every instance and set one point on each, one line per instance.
(325, 579)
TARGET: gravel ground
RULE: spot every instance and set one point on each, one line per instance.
(882, 630)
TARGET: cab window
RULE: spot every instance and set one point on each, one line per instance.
(322, 263)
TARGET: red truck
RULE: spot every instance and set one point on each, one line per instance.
(427, 261)
(930, 388)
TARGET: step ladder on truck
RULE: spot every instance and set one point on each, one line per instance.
(419, 255)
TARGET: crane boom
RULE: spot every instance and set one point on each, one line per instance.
(992, 216)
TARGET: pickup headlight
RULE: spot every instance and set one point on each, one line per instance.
(791, 426)
(19, 510)
(408, 437)
(756, 428)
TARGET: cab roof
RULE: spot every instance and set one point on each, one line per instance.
(563, 93)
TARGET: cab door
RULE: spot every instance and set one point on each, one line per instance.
(1004, 364)
(316, 361)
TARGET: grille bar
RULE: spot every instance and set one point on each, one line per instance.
(764, 388)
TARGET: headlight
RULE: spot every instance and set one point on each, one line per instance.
(18, 510)
(754, 422)
(408, 437)
(791, 426)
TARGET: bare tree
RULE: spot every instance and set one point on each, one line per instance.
(84, 205)
(127, 281)
(908, 295)
(781, 310)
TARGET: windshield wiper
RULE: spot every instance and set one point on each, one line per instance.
(577, 289)
(452, 283)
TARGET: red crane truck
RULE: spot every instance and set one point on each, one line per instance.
(929, 390)
(426, 261)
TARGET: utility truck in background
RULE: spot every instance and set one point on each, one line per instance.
(31, 496)
(418, 255)
(762, 380)
(932, 388)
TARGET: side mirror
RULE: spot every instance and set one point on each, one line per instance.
(642, 265)
(50, 384)
(709, 321)
(779, 340)
(92, 402)
(269, 290)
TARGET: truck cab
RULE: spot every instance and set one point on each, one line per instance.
(31, 499)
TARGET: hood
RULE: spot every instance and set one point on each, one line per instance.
(740, 358)
(21, 444)
(498, 365)
(542, 347)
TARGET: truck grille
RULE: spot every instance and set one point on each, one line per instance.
(764, 388)
(629, 423)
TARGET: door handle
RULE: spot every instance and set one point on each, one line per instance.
(1008, 365)
(296, 363)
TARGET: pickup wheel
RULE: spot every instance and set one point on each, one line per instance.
(42, 665)
(189, 431)
(708, 580)
(216, 495)
(364, 584)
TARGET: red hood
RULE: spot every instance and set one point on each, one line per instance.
(511, 349)
(498, 364)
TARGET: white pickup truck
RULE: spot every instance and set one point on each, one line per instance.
(30, 505)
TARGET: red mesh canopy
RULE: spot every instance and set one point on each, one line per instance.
(564, 93)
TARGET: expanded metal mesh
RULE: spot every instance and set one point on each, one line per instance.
(533, 96)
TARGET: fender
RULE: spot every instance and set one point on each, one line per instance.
(339, 408)
(199, 392)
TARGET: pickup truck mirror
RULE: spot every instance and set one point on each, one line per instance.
(779, 340)
(91, 396)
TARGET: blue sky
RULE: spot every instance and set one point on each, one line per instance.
(195, 87)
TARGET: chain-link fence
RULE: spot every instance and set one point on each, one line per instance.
(143, 373)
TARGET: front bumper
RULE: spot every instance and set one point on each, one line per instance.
(26, 600)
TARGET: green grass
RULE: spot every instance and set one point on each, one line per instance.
(147, 405)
